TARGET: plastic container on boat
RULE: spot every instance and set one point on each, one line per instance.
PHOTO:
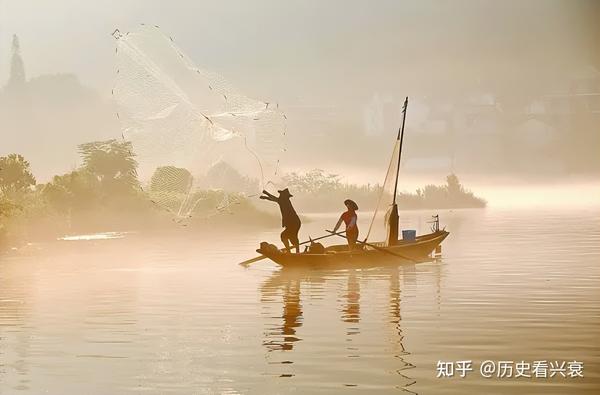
(409, 234)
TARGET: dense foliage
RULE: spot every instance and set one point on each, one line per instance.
(15, 175)
(103, 194)
(317, 190)
(451, 195)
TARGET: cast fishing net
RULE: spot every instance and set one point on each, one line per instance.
(201, 144)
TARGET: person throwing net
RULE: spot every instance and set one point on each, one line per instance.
(289, 218)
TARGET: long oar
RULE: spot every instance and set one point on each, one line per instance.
(373, 246)
(261, 257)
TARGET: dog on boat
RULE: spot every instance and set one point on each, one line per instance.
(316, 248)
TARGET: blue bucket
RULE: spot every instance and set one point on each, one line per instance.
(409, 235)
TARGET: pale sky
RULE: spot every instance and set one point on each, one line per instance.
(305, 45)
(327, 61)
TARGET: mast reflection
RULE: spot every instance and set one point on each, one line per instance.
(286, 286)
(289, 288)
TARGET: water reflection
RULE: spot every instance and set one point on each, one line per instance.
(351, 310)
(15, 314)
(289, 290)
(173, 315)
(397, 337)
(284, 336)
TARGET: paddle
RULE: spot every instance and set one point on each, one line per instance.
(246, 263)
(373, 246)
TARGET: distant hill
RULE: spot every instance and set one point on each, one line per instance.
(46, 117)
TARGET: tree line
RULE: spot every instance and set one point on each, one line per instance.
(319, 190)
(104, 194)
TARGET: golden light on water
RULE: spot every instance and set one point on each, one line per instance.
(131, 166)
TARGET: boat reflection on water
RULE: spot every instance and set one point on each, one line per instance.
(292, 290)
(292, 312)
(351, 310)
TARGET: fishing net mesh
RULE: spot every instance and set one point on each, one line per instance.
(201, 145)
(379, 222)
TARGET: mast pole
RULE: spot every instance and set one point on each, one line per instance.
(393, 221)
(401, 138)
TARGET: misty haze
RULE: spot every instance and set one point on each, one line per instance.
(266, 197)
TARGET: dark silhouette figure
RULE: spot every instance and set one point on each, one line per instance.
(289, 219)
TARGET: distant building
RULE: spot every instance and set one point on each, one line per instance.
(16, 78)
(580, 93)
(45, 117)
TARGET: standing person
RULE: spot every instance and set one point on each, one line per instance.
(349, 218)
(289, 219)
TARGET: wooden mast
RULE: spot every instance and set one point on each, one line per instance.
(392, 236)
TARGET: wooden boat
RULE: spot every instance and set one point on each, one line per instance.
(417, 250)
(375, 253)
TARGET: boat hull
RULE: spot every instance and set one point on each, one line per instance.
(417, 250)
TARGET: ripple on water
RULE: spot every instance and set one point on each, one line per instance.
(178, 315)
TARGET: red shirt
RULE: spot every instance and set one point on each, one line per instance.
(348, 216)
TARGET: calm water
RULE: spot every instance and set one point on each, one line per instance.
(178, 315)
